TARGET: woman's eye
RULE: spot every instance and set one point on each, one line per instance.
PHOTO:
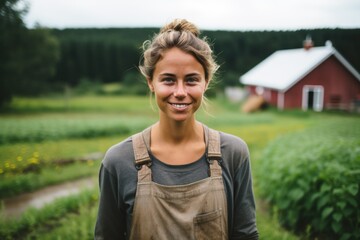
(168, 80)
(191, 80)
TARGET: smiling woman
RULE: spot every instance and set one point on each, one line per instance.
(179, 84)
(178, 178)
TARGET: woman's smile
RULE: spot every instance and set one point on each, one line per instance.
(180, 106)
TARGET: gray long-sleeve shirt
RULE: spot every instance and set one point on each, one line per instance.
(118, 180)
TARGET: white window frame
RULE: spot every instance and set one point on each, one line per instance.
(318, 101)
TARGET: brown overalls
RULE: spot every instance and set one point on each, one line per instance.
(193, 211)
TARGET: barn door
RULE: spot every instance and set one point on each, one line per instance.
(313, 98)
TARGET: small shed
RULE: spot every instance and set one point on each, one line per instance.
(311, 77)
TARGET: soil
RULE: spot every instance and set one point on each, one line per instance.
(13, 207)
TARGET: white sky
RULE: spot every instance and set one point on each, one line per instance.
(206, 14)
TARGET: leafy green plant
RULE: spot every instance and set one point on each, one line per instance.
(72, 226)
(312, 179)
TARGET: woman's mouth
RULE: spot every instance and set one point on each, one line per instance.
(180, 106)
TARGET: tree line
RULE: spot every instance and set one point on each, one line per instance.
(39, 60)
(110, 55)
(28, 58)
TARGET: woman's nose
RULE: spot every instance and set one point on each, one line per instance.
(180, 90)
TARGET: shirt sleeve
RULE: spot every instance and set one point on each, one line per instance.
(244, 203)
(110, 223)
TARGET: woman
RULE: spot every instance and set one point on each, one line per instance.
(178, 179)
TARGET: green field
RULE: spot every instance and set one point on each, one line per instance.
(42, 140)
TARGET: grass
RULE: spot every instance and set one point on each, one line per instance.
(37, 128)
(51, 150)
(256, 129)
(47, 170)
(72, 226)
(14, 184)
(117, 104)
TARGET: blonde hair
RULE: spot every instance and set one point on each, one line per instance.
(181, 34)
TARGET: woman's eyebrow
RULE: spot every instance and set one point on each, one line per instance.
(174, 75)
(193, 74)
(168, 74)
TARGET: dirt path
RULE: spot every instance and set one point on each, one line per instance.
(15, 206)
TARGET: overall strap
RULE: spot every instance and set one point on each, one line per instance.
(140, 146)
(141, 154)
(213, 148)
(213, 151)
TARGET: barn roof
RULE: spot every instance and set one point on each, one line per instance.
(282, 69)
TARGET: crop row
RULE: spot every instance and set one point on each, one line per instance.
(312, 179)
(14, 130)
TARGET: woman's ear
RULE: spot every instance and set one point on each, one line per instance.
(150, 84)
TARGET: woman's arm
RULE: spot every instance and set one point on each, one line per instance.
(110, 223)
(244, 204)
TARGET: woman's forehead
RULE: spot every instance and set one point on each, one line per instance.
(174, 60)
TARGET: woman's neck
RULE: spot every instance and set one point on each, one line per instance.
(177, 143)
(178, 132)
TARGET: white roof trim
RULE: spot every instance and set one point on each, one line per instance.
(346, 64)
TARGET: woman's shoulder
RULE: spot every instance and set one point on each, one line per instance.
(119, 156)
(234, 150)
(232, 142)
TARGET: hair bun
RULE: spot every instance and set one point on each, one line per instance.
(181, 25)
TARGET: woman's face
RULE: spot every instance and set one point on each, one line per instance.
(179, 84)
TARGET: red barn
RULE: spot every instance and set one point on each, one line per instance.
(309, 78)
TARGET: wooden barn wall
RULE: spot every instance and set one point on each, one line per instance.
(334, 77)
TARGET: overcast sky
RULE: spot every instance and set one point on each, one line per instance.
(206, 14)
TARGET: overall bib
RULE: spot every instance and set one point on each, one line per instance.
(193, 211)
